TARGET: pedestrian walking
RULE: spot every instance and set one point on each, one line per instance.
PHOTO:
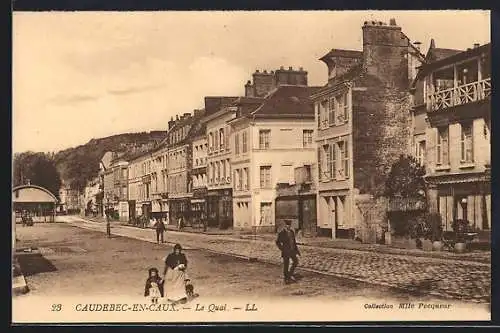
(160, 230)
(108, 224)
(287, 243)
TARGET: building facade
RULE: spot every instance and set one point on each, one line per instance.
(199, 175)
(453, 92)
(139, 185)
(219, 184)
(179, 162)
(362, 128)
(269, 141)
(119, 198)
(159, 178)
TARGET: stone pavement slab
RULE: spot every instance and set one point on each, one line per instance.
(450, 278)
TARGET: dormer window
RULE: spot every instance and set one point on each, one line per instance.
(333, 71)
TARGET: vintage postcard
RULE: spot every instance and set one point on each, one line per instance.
(264, 166)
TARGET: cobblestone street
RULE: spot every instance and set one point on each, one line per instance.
(456, 279)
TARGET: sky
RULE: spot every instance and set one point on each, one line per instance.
(83, 75)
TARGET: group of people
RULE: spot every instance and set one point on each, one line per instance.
(175, 284)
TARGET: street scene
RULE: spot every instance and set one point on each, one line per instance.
(192, 167)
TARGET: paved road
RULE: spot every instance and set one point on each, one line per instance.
(462, 280)
(80, 262)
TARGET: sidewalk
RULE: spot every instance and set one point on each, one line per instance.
(19, 285)
(445, 277)
(347, 244)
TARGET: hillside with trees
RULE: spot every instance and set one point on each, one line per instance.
(80, 164)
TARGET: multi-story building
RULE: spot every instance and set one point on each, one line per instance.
(105, 181)
(270, 138)
(140, 197)
(69, 200)
(362, 128)
(452, 125)
(90, 202)
(219, 185)
(179, 144)
(138, 186)
(159, 177)
(119, 167)
(199, 174)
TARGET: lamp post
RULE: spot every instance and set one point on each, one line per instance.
(108, 224)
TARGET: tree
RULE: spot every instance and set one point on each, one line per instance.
(406, 178)
(39, 168)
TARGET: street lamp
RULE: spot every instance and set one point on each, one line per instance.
(108, 224)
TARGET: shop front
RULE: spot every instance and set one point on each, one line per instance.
(147, 209)
(179, 207)
(199, 205)
(220, 208)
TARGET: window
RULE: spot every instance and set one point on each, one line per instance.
(211, 141)
(245, 141)
(466, 143)
(344, 159)
(223, 167)
(264, 136)
(331, 111)
(265, 176)
(324, 156)
(221, 138)
(307, 138)
(420, 152)
(216, 142)
(236, 178)
(442, 146)
(240, 179)
(332, 161)
(265, 213)
(246, 179)
(218, 171)
(237, 144)
(343, 109)
(307, 173)
(323, 113)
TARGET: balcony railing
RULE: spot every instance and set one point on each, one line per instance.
(467, 93)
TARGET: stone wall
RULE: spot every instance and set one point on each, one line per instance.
(371, 218)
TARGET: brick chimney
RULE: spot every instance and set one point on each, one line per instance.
(263, 82)
(385, 51)
(290, 76)
(198, 113)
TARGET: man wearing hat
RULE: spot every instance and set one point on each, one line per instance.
(287, 244)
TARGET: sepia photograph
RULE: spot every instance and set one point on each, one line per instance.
(251, 166)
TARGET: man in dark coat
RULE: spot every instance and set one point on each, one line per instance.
(287, 244)
(160, 230)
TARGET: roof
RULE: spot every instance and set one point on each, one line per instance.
(287, 101)
(354, 72)
(32, 193)
(449, 56)
(437, 54)
(342, 53)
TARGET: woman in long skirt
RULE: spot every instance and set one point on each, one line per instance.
(175, 275)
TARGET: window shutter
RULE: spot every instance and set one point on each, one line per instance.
(320, 160)
(333, 156)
